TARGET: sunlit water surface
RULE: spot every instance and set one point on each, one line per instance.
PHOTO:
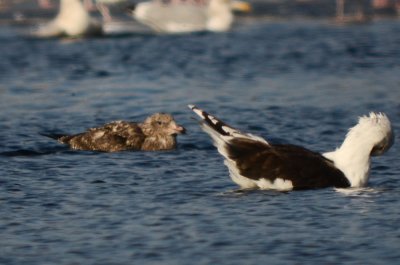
(299, 82)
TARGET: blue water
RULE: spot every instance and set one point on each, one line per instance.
(301, 82)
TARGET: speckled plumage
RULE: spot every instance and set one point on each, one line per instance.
(157, 132)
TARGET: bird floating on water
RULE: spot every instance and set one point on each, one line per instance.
(179, 16)
(157, 132)
(72, 20)
(255, 163)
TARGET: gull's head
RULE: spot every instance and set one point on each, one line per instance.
(374, 129)
(162, 124)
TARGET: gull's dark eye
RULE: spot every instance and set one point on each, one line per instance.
(159, 123)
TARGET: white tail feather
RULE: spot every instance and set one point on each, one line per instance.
(222, 134)
(219, 131)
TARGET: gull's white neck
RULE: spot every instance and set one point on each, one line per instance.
(371, 136)
(353, 159)
(73, 15)
(220, 16)
(353, 156)
(68, 6)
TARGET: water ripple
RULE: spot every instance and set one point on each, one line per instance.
(291, 82)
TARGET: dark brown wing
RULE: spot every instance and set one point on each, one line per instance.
(108, 142)
(114, 136)
(306, 169)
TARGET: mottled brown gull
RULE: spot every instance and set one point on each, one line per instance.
(157, 132)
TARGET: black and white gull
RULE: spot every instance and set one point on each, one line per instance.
(255, 163)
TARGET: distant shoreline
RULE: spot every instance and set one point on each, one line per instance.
(28, 12)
